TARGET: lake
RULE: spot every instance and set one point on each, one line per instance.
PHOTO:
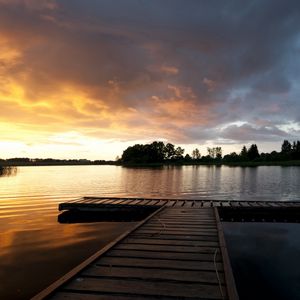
(36, 249)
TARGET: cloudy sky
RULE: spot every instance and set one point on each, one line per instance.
(86, 79)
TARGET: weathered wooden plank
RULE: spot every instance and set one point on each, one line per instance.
(168, 248)
(88, 296)
(153, 202)
(139, 287)
(194, 217)
(225, 204)
(207, 203)
(171, 203)
(197, 204)
(118, 201)
(106, 201)
(199, 218)
(94, 200)
(162, 202)
(179, 226)
(164, 255)
(244, 204)
(194, 213)
(188, 204)
(159, 274)
(189, 220)
(77, 200)
(179, 203)
(274, 204)
(176, 237)
(127, 201)
(169, 242)
(135, 202)
(160, 230)
(183, 223)
(159, 263)
(229, 279)
(156, 230)
(82, 295)
(184, 226)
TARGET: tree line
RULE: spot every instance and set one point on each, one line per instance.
(159, 152)
(25, 161)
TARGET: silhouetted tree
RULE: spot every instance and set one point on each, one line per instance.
(244, 153)
(211, 152)
(187, 157)
(169, 151)
(253, 152)
(215, 152)
(232, 157)
(196, 154)
(179, 153)
(156, 151)
(296, 150)
(286, 147)
(218, 153)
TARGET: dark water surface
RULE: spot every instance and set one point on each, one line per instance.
(265, 259)
(35, 249)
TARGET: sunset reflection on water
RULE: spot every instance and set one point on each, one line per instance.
(35, 249)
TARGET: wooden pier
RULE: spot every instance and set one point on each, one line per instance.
(177, 252)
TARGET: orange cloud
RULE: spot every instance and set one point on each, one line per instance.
(104, 72)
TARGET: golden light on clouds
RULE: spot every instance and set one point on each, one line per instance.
(93, 73)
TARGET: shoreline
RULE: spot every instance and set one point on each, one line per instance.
(289, 163)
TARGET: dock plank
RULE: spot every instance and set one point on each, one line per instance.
(159, 263)
(177, 237)
(158, 274)
(168, 248)
(179, 231)
(157, 241)
(144, 288)
(163, 255)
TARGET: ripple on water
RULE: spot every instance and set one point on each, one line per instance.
(33, 243)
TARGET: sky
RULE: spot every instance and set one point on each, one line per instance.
(87, 79)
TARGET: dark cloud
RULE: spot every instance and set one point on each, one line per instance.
(238, 59)
(247, 132)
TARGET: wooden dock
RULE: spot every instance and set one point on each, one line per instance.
(105, 203)
(177, 252)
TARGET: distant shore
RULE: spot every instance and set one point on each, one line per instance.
(233, 164)
(178, 163)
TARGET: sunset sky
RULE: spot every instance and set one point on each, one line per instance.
(88, 78)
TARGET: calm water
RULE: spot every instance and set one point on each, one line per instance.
(35, 249)
(265, 259)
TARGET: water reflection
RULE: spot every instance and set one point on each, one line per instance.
(33, 243)
(192, 182)
(36, 250)
(8, 171)
(265, 258)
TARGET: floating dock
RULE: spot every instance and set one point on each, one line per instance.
(177, 252)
